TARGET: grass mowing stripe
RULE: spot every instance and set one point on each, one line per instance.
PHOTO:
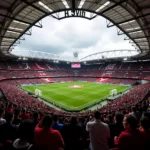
(75, 99)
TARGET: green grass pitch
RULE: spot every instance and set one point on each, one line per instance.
(74, 98)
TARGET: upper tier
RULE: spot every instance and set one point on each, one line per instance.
(32, 65)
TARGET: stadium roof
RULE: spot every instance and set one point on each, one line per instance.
(132, 17)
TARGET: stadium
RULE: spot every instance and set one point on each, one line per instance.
(72, 96)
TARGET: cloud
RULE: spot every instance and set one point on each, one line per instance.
(74, 34)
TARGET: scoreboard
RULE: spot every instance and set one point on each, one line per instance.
(75, 65)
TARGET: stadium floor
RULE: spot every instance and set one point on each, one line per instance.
(75, 96)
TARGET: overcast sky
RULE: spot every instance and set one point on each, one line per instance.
(63, 37)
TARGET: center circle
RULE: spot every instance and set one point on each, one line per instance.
(76, 86)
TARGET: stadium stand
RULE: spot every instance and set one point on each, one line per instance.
(27, 123)
(20, 101)
(10, 71)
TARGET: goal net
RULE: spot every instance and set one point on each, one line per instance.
(38, 92)
(113, 92)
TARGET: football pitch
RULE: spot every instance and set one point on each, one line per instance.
(74, 95)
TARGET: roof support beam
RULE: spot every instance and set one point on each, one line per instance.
(17, 42)
(6, 42)
(8, 37)
(73, 6)
(16, 31)
(22, 39)
(37, 8)
(143, 45)
(55, 17)
(144, 8)
(13, 18)
(11, 30)
(5, 45)
(138, 42)
(135, 18)
(134, 31)
(115, 5)
(3, 8)
(28, 33)
(139, 37)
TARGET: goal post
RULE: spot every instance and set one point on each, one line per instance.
(113, 92)
(38, 92)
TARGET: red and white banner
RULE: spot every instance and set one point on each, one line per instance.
(102, 79)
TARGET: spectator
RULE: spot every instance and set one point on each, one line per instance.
(85, 133)
(99, 133)
(26, 130)
(72, 134)
(45, 137)
(83, 126)
(112, 128)
(17, 119)
(8, 131)
(110, 119)
(136, 113)
(118, 124)
(2, 120)
(35, 119)
(144, 128)
(56, 125)
(131, 138)
(10, 108)
(115, 128)
(24, 115)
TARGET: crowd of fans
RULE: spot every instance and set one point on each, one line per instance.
(68, 79)
(7, 74)
(35, 65)
(120, 130)
(116, 81)
(133, 97)
(29, 124)
(107, 70)
(22, 99)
